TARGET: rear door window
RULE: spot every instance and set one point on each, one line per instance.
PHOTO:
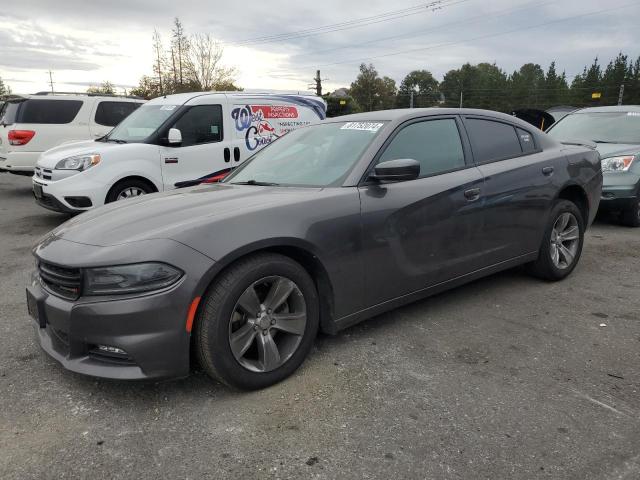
(47, 111)
(111, 114)
(435, 144)
(491, 140)
(526, 141)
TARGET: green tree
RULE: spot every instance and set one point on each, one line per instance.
(482, 86)
(4, 88)
(617, 72)
(372, 92)
(525, 86)
(556, 89)
(583, 85)
(107, 88)
(424, 88)
(340, 105)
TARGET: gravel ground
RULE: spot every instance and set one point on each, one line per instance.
(508, 377)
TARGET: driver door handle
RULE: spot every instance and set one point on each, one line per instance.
(227, 154)
(472, 194)
(547, 171)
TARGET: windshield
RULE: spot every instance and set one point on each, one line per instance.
(316, 156)
(609, 127)
(141, 123)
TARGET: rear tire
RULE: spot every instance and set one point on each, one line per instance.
(128, 188)
(561, 244)
(263, 351)
(631, 216)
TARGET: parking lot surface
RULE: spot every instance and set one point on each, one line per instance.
(507, 377)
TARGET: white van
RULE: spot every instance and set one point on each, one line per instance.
(31, 124)
(170, 142)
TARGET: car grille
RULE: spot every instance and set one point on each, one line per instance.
(61, 281)
(43, 173)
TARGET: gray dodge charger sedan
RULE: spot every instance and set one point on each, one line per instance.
(329, 225)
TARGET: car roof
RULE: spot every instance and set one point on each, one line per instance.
(400, 115)
(182, 98)
(609, 109)
(71, 96)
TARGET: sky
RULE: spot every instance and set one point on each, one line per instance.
(84, 43)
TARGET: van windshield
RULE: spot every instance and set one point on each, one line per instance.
(138, 126)
(605, 127)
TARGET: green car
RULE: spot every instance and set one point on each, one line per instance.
(616, 132)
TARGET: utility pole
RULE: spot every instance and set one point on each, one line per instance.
(318, 81)
(51, 80)
(411, 99)
(621, 94)
(460, 98)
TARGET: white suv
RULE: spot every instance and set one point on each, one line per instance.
(32, 124)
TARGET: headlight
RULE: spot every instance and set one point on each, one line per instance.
(617, 164)
(79, 162)
(138, 277)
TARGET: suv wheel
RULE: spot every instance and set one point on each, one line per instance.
(128, 189)
(631, 216)
(257, 322)
(562, 243)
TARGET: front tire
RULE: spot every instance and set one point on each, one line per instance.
(562, 243)
(631, 215)
(257, 322)
(128, 188)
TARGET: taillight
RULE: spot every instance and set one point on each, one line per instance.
(20, 137)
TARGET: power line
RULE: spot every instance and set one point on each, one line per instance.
(336, 27)
(498, 13)
(481, 37)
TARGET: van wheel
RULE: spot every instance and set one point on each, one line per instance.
(631, 216)
(128, 189)
(258, 322)
(562, 243)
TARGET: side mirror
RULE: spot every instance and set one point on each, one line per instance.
(174, 137)
(398, 170)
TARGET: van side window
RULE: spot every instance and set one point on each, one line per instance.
(110, 114)
(435, 144)
(200, 124)
(492, 141)
(47, 111)
(526, 141)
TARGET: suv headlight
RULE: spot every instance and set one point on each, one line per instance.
(617, 164)
(79, 162)
(133, 278)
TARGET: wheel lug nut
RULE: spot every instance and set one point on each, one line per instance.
(255, 327)
(264, 332)
(273, 322)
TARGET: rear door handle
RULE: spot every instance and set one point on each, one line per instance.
(547, 170)
(236, 154)
(227, 154)
(472, 194)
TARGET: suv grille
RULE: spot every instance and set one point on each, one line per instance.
(61, 281)
(43, 173)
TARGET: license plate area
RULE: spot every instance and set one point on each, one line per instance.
(35, 309)
(37, 191)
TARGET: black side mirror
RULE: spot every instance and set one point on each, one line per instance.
(398, 170)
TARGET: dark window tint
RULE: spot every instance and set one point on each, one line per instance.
(112, 113)
(492, 140)
(526, 141)
(47, 111)
(201, 124)
(435, 144)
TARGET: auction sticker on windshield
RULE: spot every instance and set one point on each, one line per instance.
(367, 126)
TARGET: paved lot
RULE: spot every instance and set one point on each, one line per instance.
(508, 377)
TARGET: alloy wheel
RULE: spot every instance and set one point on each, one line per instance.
(565, 238)
(130, 192)
(267, 324)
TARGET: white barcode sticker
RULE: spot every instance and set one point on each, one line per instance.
(366, 126)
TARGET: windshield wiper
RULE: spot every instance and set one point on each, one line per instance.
(114, 140)
(603, 141)
(256, 182)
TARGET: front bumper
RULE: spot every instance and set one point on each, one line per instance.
(59, 195)
(619, 191)
(149, 328)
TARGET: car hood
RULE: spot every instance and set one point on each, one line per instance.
(172, 214)
(51, 157)
(607, 150)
